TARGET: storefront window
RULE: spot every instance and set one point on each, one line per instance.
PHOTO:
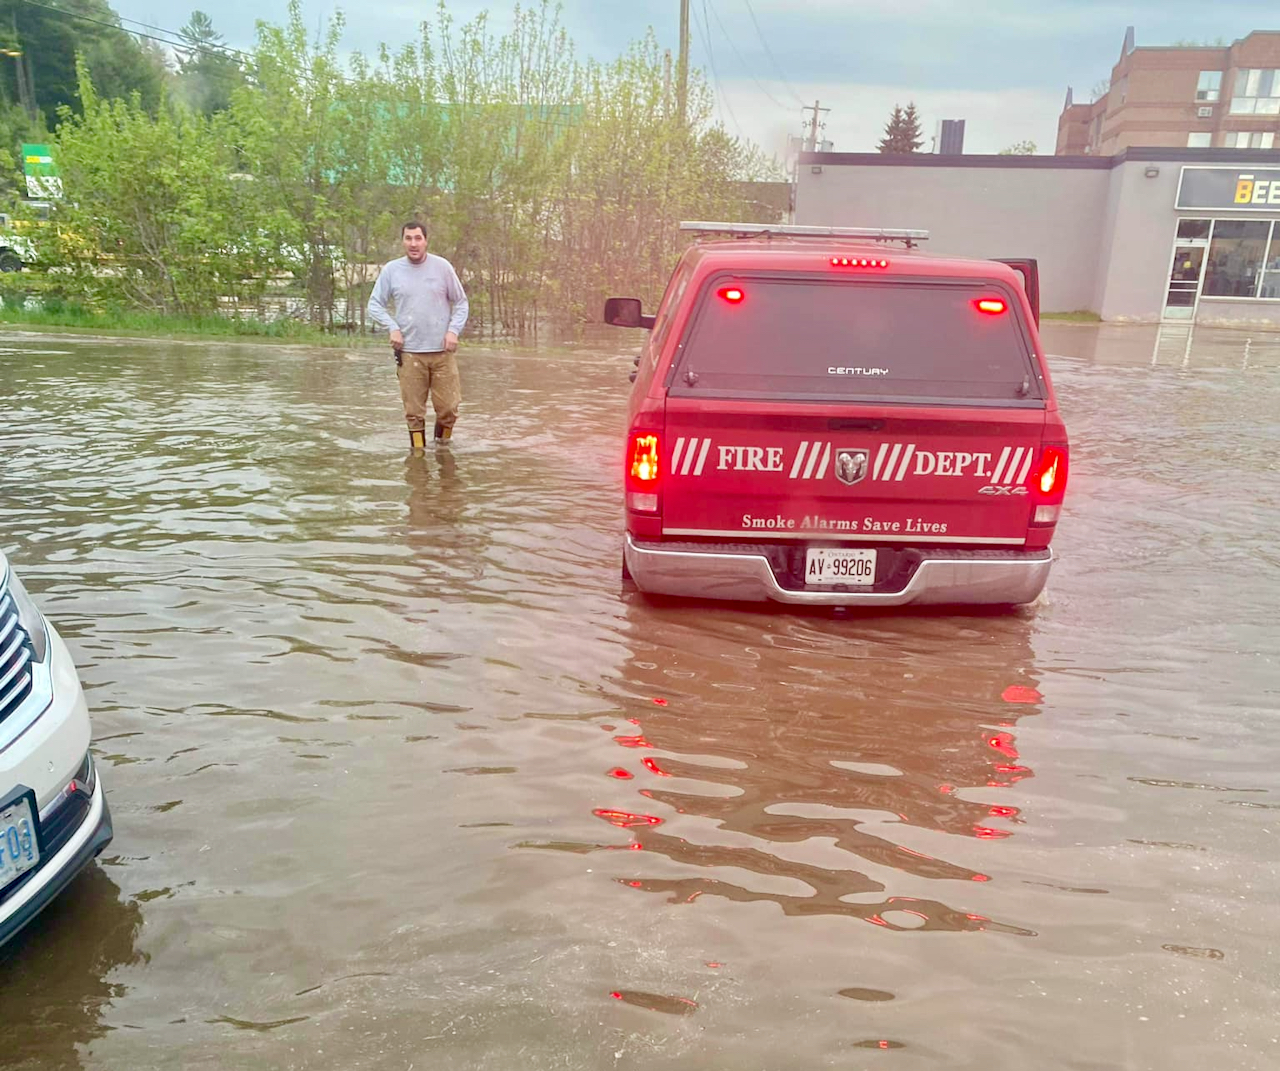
(1236, 256)
(1193, 228)
(1271, 270)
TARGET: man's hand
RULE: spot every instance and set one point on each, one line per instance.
(450, 342)
(397, 342)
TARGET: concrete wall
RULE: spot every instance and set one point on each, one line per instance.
(1102, 230)
(1136, 250)
(1053, 214)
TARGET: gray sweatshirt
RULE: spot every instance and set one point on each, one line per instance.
(428, 299)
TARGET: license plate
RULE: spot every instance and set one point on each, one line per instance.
(828, 565)
(19, 848)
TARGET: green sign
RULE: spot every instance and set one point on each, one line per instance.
(40, 171)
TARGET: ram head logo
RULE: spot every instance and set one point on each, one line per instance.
(851, 466)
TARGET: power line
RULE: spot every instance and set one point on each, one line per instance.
(218, 49)
(719, 22)
(768, 52)
(564, 109)
(704, 28)
(122, 29)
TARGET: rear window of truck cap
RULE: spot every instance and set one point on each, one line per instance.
(851, 338)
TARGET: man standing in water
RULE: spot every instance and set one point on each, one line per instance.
(430, 312)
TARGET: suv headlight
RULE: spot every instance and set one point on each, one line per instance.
(29, 617)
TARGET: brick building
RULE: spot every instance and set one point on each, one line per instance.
(1182, 97)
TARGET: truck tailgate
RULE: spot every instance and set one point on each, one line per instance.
(739, 470)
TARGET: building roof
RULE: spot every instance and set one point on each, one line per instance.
(1137, 154)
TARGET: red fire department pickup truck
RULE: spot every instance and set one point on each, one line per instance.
(830, 416)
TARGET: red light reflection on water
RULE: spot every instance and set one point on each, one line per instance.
(625, 819)
(632, 741)
(1021, 693)
(652, 766)
(621, 774)
(1003, 743)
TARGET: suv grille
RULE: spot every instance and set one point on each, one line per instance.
(16, 654)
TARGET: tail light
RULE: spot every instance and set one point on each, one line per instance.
(644, 464)
(1049, 484)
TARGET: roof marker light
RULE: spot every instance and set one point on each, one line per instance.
(859, 262)
(732, 294)
(991, 306)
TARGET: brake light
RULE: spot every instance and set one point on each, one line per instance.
(644, 458)
(859, 262)
(1052, 477)
(732, 294)
(991, 306)
(1049, 484)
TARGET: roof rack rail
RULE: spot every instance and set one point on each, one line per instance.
(787, 230)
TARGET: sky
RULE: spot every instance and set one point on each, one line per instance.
(1001, 65)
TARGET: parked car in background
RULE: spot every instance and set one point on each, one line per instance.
(16, 249)
(54, 818)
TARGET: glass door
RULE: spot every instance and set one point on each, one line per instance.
(1186, 269)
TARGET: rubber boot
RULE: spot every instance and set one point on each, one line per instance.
(417, 439)
(443, 434)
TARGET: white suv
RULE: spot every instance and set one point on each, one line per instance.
(54, 818)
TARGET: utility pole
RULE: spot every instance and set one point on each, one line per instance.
(22, 75)
(811, 142)
(682, 66)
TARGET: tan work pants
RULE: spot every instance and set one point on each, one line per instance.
(433, 375)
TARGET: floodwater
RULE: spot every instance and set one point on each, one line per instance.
(401, 779)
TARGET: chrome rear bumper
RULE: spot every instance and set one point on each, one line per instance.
(969, 578)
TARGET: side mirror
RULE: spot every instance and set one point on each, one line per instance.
(625, 312)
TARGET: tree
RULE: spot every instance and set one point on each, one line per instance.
(902, 132)
(1020, 148)
(50, 37)
(550, 182)
(158, 220)
(207, 74)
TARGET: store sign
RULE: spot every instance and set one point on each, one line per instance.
(1242, 188)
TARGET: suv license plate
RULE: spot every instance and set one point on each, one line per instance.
(827, 565)
(19, 849)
